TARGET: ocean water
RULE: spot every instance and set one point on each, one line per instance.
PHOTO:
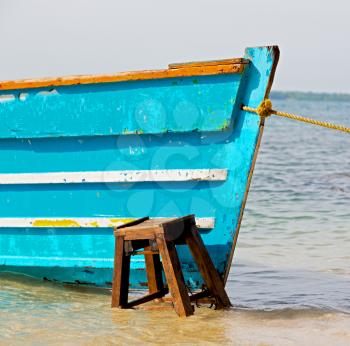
(290, 279)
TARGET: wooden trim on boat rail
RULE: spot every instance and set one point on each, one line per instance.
(228, 66)
(209, 63)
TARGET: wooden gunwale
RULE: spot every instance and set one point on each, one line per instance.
(209, 63)
(228, 66)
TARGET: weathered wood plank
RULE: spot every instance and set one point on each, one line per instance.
(120, 287)
(147, 298)
(209, 63)
(154, 271)
(174, 276)
(206, 267)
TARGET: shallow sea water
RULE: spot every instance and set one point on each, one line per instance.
(290, 280)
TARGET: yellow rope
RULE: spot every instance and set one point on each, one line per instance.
(265, 109)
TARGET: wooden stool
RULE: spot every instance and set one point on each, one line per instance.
(159, 237)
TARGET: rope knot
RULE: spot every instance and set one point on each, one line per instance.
(265, 108)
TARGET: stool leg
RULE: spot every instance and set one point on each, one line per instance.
(206, 267)
(154, 272)
(120, 288)
(174, 277)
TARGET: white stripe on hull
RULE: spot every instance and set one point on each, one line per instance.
(129, 176)
(204, 222)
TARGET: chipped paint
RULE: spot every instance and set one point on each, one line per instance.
(7, 98)
(156, 175)
(225, 125)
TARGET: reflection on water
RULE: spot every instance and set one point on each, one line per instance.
(290, 280)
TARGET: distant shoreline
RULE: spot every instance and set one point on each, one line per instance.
(309, 96)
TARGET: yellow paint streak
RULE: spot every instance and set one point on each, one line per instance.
(72, 223)
(56, 223)
(118, 222)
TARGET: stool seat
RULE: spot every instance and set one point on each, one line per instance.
(172, 228)
(159, 237)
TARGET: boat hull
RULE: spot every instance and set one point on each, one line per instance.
(78, 160)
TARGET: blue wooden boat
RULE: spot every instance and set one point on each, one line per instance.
(80, 155)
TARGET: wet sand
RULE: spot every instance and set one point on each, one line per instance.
(37, 313)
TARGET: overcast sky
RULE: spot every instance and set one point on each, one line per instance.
(51, 38)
